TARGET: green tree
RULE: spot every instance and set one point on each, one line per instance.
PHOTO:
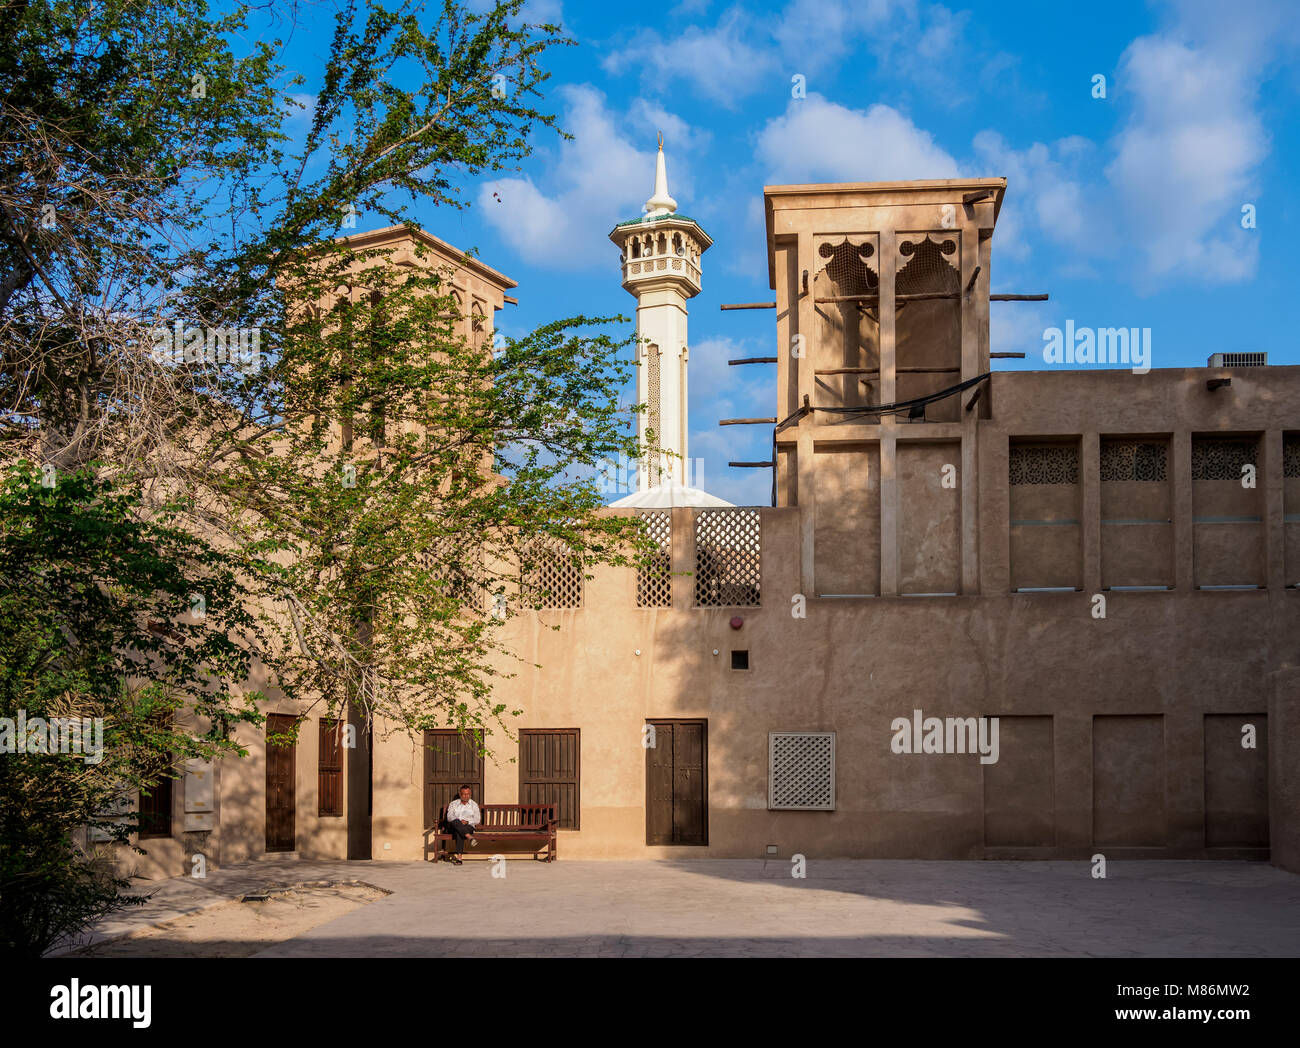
(148, 176)
(103, 619)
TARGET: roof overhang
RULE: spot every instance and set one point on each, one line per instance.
(379, 238)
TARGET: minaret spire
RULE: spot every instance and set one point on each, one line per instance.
(659, 256)
(661, 203)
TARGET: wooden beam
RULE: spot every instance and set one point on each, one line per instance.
(1007, 356)
(897, 371)
(919, 296)
(747, 422)
(751, 465)
(974, 275)
(975, 398)
(748, 305)
(971, 198)
(925, 296)
(754, 360)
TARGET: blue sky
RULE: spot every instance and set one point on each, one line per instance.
(1127, 209)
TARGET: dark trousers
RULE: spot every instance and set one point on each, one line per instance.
(460, 829)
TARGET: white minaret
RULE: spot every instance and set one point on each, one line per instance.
(661, 266)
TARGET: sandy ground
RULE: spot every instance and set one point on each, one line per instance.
(719, 908)
(240, 929)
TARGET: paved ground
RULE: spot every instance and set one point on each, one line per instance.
(755, 908)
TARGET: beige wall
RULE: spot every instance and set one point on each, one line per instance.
(1117, 732)
(1105, 737)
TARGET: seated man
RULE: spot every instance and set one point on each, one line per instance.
(462, 816)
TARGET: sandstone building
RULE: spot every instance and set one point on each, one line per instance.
(1105, 561)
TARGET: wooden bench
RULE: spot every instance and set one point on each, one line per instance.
(501, 822)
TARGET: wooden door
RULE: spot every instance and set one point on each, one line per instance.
(450, 761)
(281, 796)
(550, 772)
(677, 786)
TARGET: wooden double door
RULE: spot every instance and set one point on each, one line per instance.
(677, 783)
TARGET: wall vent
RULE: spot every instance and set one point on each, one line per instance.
(801, 770)
(1238, 360)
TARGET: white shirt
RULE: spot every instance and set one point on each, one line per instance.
(467, 810)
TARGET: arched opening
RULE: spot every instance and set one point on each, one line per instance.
(928, 331)
(478, 325)
(848, 331)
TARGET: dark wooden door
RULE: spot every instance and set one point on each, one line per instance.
(450, 761)
(281, 796)
(550, 772)
(677, 786)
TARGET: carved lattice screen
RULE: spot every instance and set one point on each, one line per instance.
(551, 576)
(728, 558)
(1044, 464)
(801, 770)
(654, 584)
(654, 415)
(456, 570)
(1291, 456)
(1214, 459)
(1134, 460)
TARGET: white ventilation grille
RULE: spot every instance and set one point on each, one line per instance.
(801, 770)
(1238, 360)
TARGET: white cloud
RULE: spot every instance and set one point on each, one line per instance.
(1187, 158)
(1165, 206)
(711, 375)
(817, 34)
(1043, 194)
(722, 63)
(741, 487)
(679, 137)
(1018, 328)
(821, 141)
(595, 180)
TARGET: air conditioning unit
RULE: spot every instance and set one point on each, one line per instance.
(1238, 360)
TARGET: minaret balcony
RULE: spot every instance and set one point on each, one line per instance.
(636, 270)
